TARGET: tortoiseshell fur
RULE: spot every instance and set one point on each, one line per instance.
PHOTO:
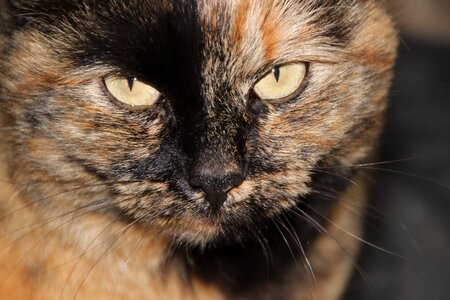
(95, 201)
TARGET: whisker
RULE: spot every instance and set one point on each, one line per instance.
(127, 260)
(11, 128)
(31, 203)
(91, 207)
(55, 218)
(44, 237)
(289, 246)
(285, 240)
(105, 253)
(33, 246)
(77, 188)
(83, 254)
(337, 197)
(353, 235)
(307, 263)
(434, 181)
(303, 215)
(268, 256)
(413, 265)
(413, 240)
(88, 249)
(335, 175)
(386, 162)
(380, 217)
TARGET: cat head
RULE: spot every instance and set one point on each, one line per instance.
(201, 119)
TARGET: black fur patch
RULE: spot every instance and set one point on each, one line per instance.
(262, 256)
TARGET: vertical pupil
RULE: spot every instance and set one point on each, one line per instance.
(131, 81)
(276, 73)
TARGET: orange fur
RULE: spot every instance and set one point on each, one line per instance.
(71, 147)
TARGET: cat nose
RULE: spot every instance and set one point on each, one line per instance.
(215, 184)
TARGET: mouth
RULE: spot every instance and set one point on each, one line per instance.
(193, 216)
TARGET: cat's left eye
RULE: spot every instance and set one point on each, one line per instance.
(282, 82)
(132, 92)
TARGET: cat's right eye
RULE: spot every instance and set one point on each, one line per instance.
(132, 92)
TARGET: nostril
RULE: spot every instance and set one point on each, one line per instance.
(215, 186)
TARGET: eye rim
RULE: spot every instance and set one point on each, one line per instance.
(122, 104)
(293, 95)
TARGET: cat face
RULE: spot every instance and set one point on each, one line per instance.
(208, 157)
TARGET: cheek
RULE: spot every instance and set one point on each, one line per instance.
(282, 187)
(299, 133)
(80, 125)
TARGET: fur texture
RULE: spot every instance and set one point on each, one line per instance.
(104, 190)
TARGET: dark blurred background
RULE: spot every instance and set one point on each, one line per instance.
(410, 212)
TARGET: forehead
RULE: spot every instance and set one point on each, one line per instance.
(271, 31)
(272, 24)
(168, 39)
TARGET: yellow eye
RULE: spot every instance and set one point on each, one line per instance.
(132, 92)
(281, 82)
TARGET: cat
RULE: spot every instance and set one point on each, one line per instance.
(187, 149)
